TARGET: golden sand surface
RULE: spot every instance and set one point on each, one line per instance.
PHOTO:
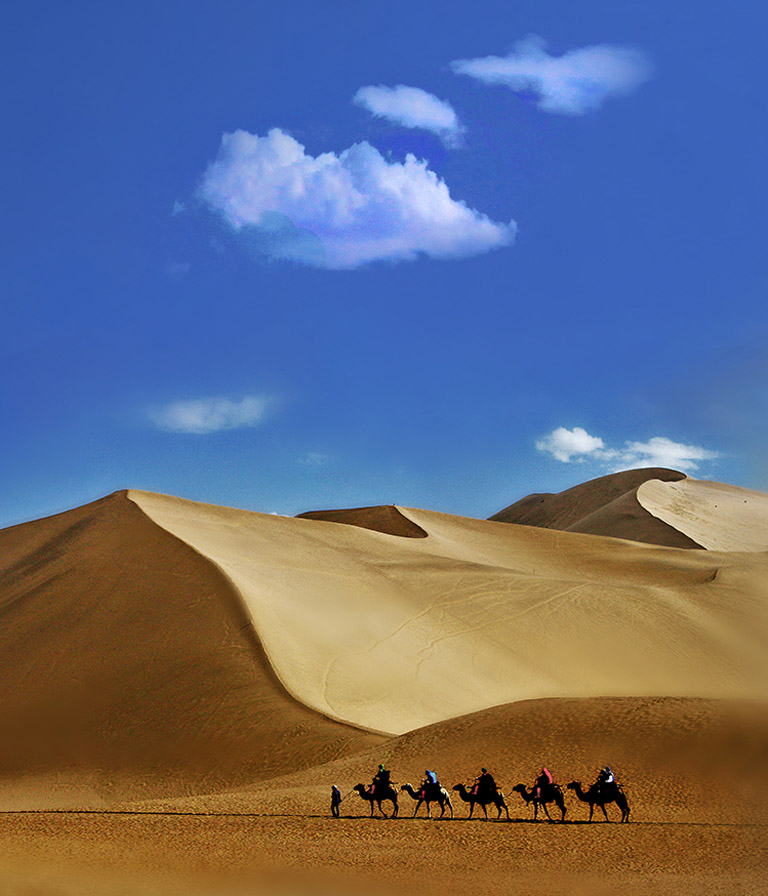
(392, 633)
(167, 855)
(719, 517)
(182, 683)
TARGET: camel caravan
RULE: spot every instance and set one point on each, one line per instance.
(484, 792)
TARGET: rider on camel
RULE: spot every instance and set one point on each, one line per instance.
(605, 779)
(380, 779)
(484, 784)
(429, 784)
(543, 783)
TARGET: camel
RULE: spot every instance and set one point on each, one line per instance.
(496, 798)
(444, 798)
(601, 796)
(551, 794)
(390, 794)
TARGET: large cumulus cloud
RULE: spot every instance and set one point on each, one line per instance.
(345, 210)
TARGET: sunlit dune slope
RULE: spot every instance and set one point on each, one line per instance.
(604, 506)
(719, 517)
(387, 519)
(129, 665)
(393, 633)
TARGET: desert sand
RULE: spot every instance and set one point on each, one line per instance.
(719, 517)
(182, 683)
(605, 506)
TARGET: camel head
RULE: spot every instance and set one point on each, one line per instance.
(360, 788)
(574, 785)
(405, 787)
(518, 788)
(458, 787)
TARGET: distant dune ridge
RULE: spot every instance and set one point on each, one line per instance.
(156, 647)
(605, 506)
(385, 518)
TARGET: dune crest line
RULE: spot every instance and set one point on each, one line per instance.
(391, 634)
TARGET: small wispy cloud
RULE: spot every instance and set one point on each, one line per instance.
(177, 270)
(413, 107)
(200, 416)
(577, 446)
(314, 459)
(572, 84)
(341, 211)
(662, 452)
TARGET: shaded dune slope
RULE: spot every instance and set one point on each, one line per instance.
(385, 518)
(394, 633)
(604, 506)
(129, 666)
(679, 759)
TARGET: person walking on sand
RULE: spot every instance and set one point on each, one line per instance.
(335, 801)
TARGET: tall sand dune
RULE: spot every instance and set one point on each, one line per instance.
(605, 506)
(152, 645)
(130, 666)
(392, 633)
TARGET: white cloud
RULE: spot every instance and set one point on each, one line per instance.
(412, 108)
(314, 459)
(662, 452)
(341, 211)
(578, 445)
(571, 84)
(205, 415)
(568, 444)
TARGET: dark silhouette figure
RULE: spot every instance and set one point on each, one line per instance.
(540, 795)
(379, 796)
(335, 801)
(601, 794)
(483, 800)
(435, 794)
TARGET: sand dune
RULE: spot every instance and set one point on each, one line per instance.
(387, 519)
(158, 655)
(719, 517)
(604, 506)
(155, 646)
(684, 760)
(392, 633)
(129, 667)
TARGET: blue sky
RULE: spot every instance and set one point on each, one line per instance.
(453, 253)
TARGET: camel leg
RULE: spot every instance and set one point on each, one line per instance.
(591, 810)
(471, 809)
(485, 809)
(546, 811)
(604, 812)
